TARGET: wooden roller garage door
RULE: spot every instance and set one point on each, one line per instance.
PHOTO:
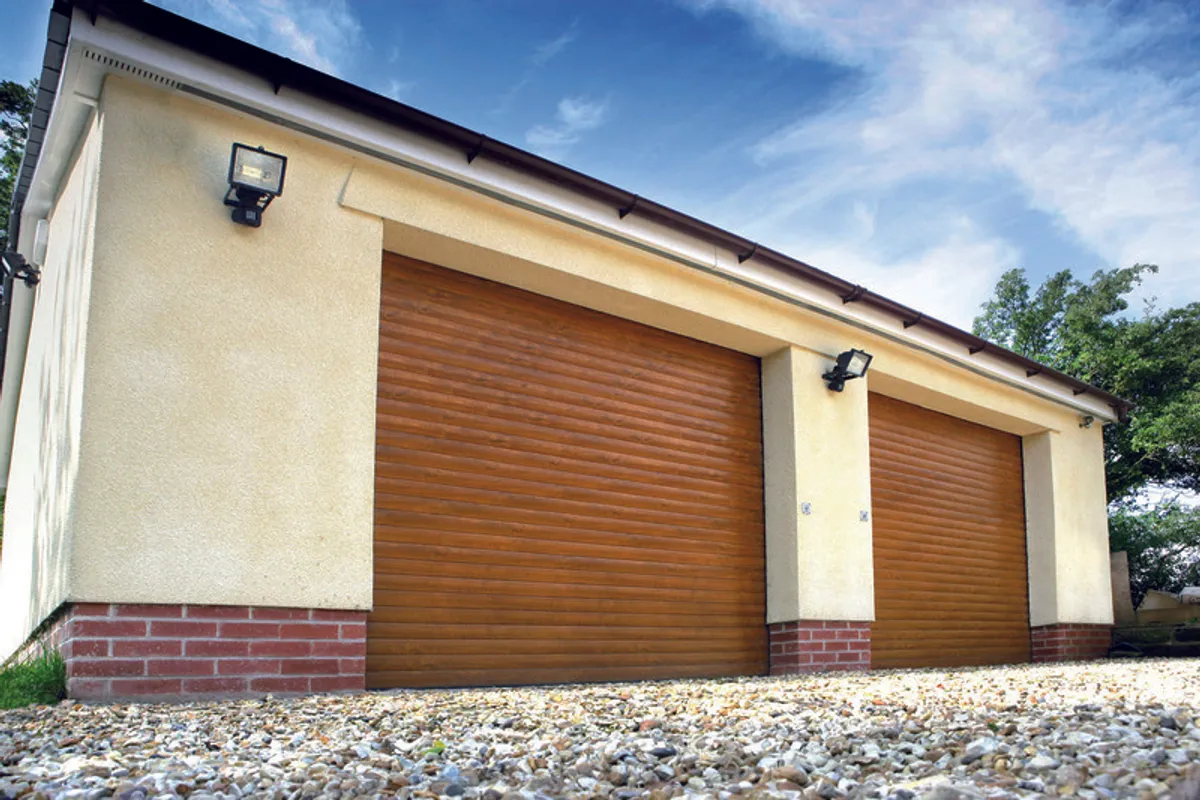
(949, 530)
(560, 495)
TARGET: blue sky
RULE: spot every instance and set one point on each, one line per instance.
(915, 146)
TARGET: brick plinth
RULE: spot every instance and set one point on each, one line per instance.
(816, 646)
(49, 636)
(119, 651)
(1070, 642)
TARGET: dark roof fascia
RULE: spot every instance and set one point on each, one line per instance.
(279, 71)
(57, 33)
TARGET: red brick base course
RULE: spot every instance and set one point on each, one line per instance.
(816, 646)
(1068, 641)
(119, 651)
(48, 637)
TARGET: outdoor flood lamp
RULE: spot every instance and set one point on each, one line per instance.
(850, 364)
(255, 179)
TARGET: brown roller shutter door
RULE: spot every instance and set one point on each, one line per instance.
(560, 495)
(951, 586)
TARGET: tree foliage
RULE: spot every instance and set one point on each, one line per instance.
(1152, 359)
(16, 108)
(1163, 544)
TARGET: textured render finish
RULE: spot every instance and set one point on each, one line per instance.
(816, 452)
(228, 449)
(1040, 546)
(228, 444)
(1070, 642)
(123, 652)
(1081, 526)
(781, 507)
(819, 646)
(1067, 527)
(44, 472)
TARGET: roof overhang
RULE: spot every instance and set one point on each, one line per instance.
(136, 39)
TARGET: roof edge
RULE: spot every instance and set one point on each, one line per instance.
(280, 71)
(58, 31)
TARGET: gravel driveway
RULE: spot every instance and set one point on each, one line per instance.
(1107, 729)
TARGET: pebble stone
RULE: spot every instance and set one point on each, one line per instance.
(1100, 730)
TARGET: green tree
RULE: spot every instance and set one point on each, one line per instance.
(1152, 360)
(16, 107)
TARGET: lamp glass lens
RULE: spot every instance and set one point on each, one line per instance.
(257, 170)
(858, 363)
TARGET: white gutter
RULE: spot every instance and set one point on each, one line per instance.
(19, 317)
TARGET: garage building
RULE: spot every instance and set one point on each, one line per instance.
(453, 414)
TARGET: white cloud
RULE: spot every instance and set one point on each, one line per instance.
(574, 117)
(397, 89)
(542, 55)
(548, 50)
(1036, 99)
(947, 280)
(323, 34)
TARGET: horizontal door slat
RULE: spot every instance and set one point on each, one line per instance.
(396, 431)
(419, 372)
(565, 495)
(938, 448)
(447, 289)
(436, 563)
(389, 649)
(470, 601)
(931, 529)
(392, 442)
(394, 526)
(596, 441)
(597, 633)
(628, 563)
(416, 580)
(533, 674)
(488, 507)
(399, 540)
(460, 362)
(402, 384)
(450, 468)
(403, 323)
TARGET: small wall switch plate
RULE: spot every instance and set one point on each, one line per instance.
(806, 508)
(864, 516)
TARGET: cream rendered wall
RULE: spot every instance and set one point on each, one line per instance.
(228, 448)
(227, 451)
(1066, 525)
(43, 480)
(817, 458)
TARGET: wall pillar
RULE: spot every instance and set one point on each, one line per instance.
(820, 573)
(1066, 524)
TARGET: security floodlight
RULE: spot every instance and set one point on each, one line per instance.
(255, 179)
(18, 269)
(850, 364)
